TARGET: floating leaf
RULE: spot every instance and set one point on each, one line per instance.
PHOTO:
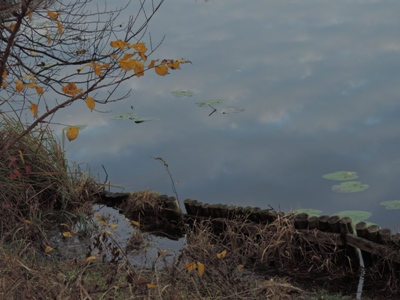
(34, 109)
(90, 103)
(114, 226)
(355, 215)
(161, 70)
(90, 258)
(19, 86)
(393, 204)
(101, 222)
(67, 234)
(73, 231)
(309, 211)
(200, 268)
(221, 254)
(108, 232)
(350, 187)
(231, 110)
(27, 221)
(190, 266)
(48, 249)
(162, 252)
(72, 133)
(125, 116)
(183, 93)
(210, 102)
(341, 175)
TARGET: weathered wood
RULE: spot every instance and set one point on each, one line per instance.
(313, 222)
(255, 215)
(333, 223)
(323, 224)
(320, 237)
(205, 210)
(189, 206)
(197, 208)
(268, 215)
(346, 225)
(301, 221)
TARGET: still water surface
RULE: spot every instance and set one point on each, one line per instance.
(310, 87)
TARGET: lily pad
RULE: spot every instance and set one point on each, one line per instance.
(210, 102)
(183, 93)
(341, 175)
(393, 204)
(309, 211)
(125, 116)
(350, 187)
(355, 215)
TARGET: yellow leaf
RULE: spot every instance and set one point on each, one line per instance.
(162, 252)
(240, 267)
(48, 249)
(21, 156)
(200, 268)
(12, 27)
(29, 77)
(137, 224)
(30, 15)
(53, 15)
(90, 103)
(119, 44)
(143, 56)
(90, 258)
(139, 47)
(4, 74)
(82, 51)
(183, 61)
(190, 266)
(103, 223)
(161, 70)
(73, 231)
(31, 85)
(108, 232)
(27, 221)
(34, 109)
(64, 224)
(60, 27)
(71, 89)
(19, 86)
(153, 61)
(127, 64)
(39, 90)
(115, 287)
(173, 65)
(67, 234)
(4, 84)
(33, 53)
(221, 255)
(151, 286)
(114, 226)
(72, 133)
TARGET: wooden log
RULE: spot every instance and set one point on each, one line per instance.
(320, 237)
(333, 223)
(189, 206)
(301, 221)
(215, 210)
(231, 211)
(255, 215)
(205, 210)
(197, 209)
(224, 211)
(384, 236)
(372, 233)
(346, 228)
(268, 216)
(323, 223)
(313, 222)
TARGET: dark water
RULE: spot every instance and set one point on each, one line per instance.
(319, 85)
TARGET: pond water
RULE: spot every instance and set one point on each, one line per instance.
(309, 87)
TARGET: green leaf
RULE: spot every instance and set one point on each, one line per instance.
(125, 116)
(183, 93)
(355, 215)
(341, 175)
(350, 187)
(393, 204)
(210, 102)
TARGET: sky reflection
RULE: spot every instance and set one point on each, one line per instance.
(319, 82)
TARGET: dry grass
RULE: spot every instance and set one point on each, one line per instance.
(36, 183)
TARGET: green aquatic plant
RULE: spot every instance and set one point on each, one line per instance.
(125, 116)
(393, 204)
(183, 93)
(309, 211)
(210, 102)
(341, 175)
(355, 215)
(350, 187)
